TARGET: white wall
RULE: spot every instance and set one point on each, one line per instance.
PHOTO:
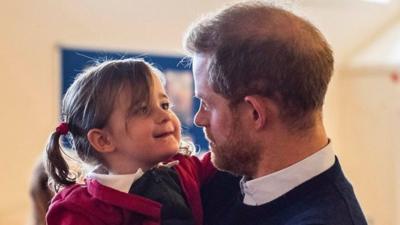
(370, 115)
(369, 141)
(31, 33)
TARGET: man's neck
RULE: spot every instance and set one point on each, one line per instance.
(286, 149)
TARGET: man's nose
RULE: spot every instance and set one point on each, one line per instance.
(200, 119)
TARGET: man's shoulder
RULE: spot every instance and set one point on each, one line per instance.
(325, 199)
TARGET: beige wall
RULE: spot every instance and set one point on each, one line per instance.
(31, 33)
(369, 143)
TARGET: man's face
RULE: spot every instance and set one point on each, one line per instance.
(230, 144)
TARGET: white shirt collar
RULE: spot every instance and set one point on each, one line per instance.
(120, 182)
(270, 187)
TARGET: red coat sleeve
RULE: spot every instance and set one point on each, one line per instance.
(70, 214)
(193, 173)
(198, 169)
(205, 168)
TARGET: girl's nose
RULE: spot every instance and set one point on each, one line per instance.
(163, 116)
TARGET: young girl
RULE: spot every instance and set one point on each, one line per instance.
(119, 119)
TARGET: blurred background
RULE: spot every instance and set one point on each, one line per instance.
(362, 110)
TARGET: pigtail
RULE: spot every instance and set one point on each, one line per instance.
(56, 166)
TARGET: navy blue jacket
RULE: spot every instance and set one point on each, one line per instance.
(326, 199)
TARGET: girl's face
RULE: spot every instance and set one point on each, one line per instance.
(143, 140)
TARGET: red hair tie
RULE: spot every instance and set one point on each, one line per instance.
(62, 129)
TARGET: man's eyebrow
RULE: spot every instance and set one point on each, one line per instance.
(203, 98)
(199, 96)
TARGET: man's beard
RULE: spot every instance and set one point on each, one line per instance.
(239, 154)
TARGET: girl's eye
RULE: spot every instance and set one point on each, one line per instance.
(165, 106)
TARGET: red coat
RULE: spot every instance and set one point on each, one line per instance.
(94, 203)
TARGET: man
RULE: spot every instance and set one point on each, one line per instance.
(261, 74)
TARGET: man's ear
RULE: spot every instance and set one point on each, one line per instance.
(263, 110)
(100, 140)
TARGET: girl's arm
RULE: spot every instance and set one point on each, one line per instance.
(196, 169)
(194, 173)
(205, 168)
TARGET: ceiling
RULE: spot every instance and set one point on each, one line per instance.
(349, 25)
